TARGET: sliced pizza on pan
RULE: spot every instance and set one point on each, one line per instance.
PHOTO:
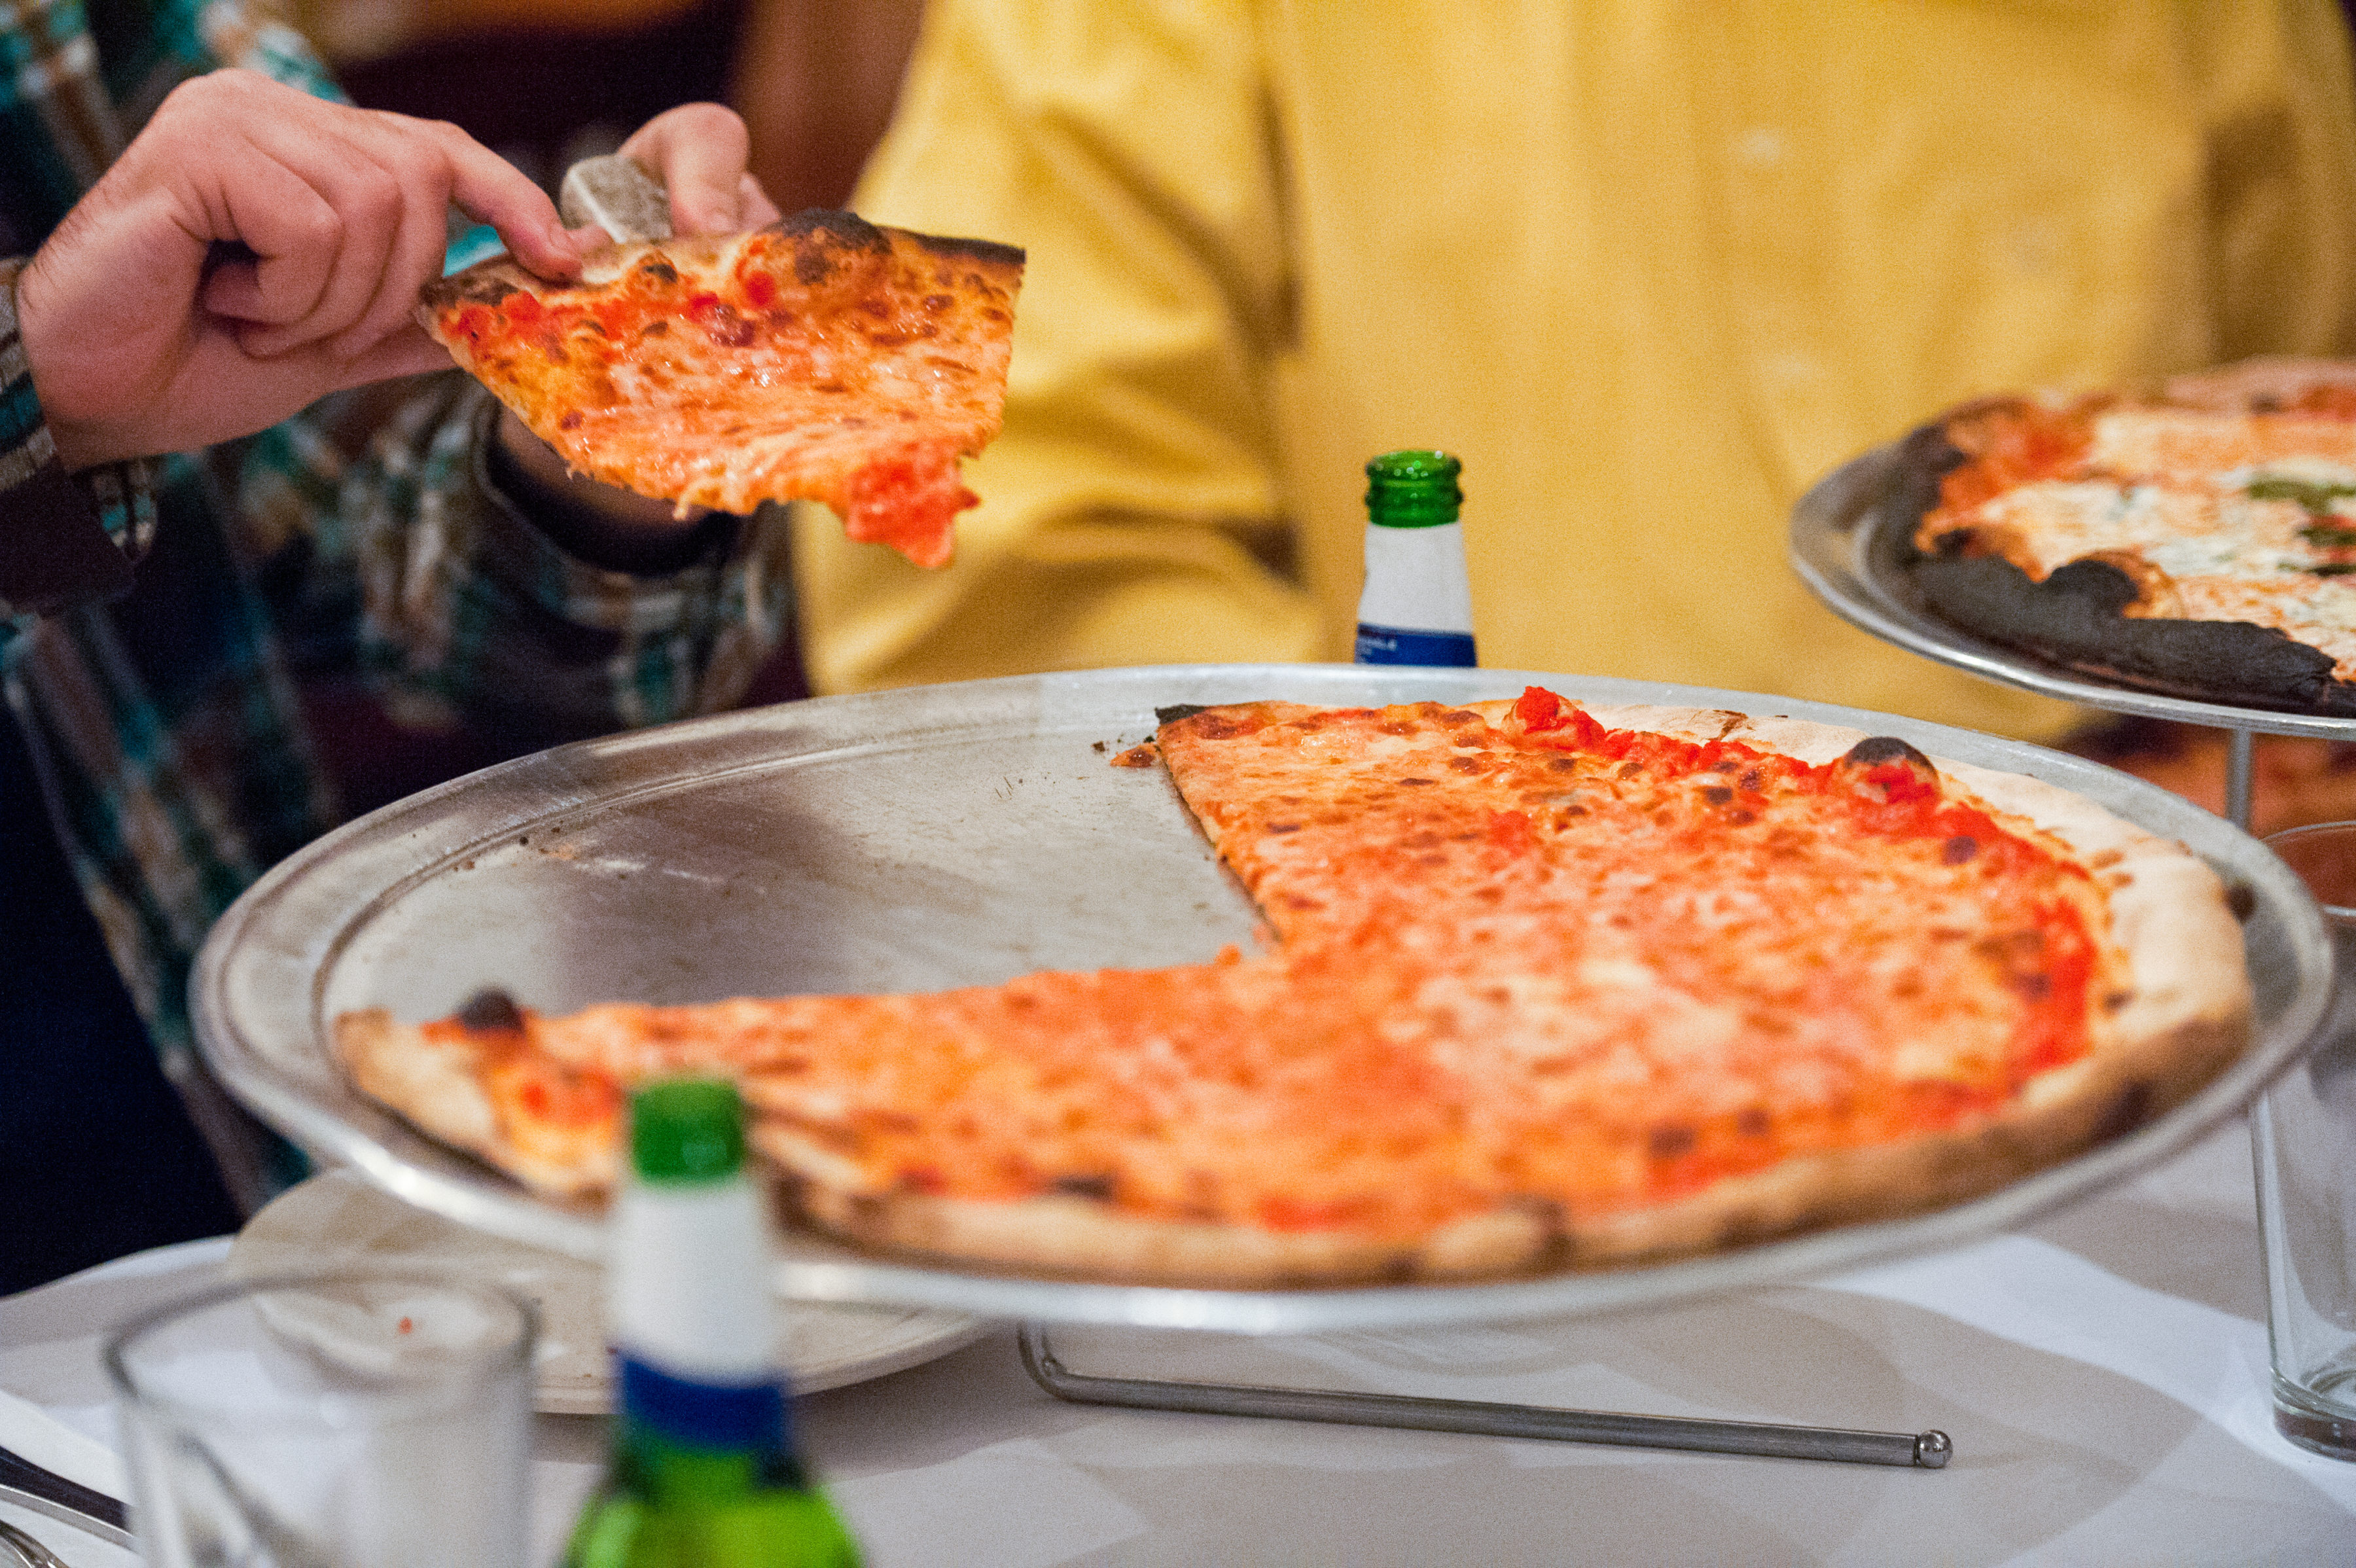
(1548, 986)
(821, 359)
(2202, 549)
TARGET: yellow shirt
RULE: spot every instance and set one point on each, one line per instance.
(1649, 268)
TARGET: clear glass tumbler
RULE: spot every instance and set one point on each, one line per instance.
(2303, 1133)
(349, 1420)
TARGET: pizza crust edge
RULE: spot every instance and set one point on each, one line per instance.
(438, 1086)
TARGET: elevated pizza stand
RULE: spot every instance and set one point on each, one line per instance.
(964, 834)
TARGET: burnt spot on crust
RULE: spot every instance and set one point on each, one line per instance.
(990, 252)
(2076, 616)
(848, 230)
(816, 229)
(2242, 900)
(1141, 756)
(2127, 1112)
(658, 268)
(1099, 1187)
(1176, 711)
(486, 284)
(1875, 750)
(491, 1009)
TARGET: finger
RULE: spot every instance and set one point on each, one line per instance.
(699, 152)
(754, 207)
(408, 352)
(304, 186)
(489, 190)
(369, 183)
(319, 370)
(285, 222)
(414, 257)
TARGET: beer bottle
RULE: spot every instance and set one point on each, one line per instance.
(704, 1473)
(1416, 608)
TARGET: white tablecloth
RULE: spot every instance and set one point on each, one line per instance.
(2103, 1377)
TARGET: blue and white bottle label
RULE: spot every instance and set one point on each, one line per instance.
(750, 1415)
(1390, 645)
(1416, 608)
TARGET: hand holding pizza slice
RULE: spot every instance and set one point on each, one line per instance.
(822, 358)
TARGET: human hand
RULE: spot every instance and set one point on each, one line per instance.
(253, 249)
(699, 152)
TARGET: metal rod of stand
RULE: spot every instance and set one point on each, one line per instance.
(1925, 1450)
(2239, 772)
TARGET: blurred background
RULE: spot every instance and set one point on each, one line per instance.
(547, 82)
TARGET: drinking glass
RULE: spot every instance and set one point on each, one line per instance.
(357, 1419)
(2303, 1134)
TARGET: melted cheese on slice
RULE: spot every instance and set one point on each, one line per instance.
(2193, 445)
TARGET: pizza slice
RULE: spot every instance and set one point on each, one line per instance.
(1551, 986)
(821, 359)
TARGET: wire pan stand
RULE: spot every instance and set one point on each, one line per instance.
(1925, 1450)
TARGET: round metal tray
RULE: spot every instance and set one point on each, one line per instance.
(955, 835)
(1846, 548)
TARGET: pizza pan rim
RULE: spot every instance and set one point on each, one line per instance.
(262, 979)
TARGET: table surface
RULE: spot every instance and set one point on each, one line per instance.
(2103, 1375)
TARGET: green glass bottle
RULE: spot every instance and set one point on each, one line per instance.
(1416, 607)
(703, 1472)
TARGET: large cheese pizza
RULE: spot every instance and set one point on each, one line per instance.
(1543, 986)
(2200, 541)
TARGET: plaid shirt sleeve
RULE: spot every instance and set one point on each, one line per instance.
(420, 571)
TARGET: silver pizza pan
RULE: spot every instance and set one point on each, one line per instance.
(963, 834)
(1845, 546)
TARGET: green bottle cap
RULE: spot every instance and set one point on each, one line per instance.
(687, 1130)
(1413, 489)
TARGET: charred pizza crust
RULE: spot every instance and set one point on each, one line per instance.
(2112, 611)
(2175, 1011)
